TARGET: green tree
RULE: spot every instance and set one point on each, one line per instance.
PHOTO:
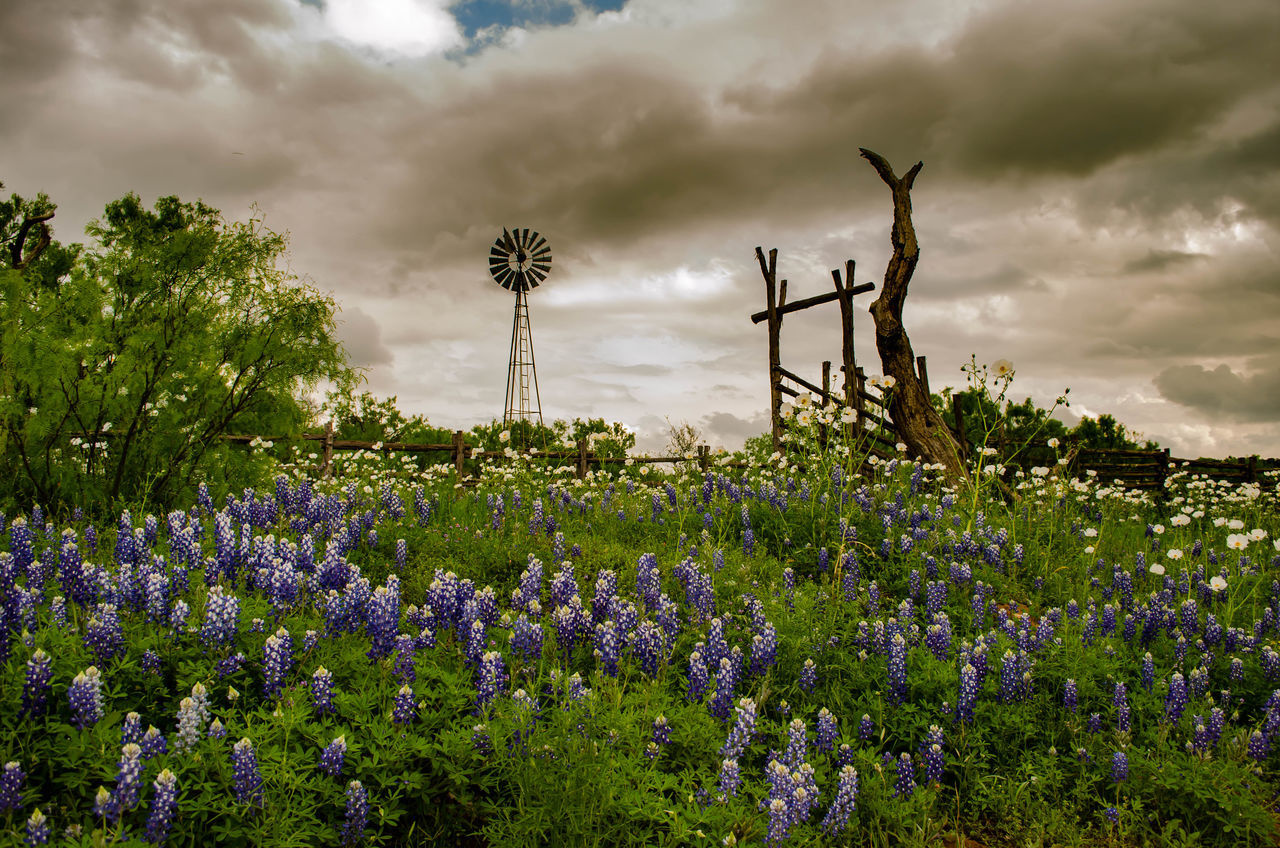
(123, 363)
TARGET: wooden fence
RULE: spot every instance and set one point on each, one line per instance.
(459, 451)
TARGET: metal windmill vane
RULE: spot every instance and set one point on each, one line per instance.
(519, 260)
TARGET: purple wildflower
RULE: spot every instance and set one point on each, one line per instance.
(844, 803)
(905, 783)
(744, 728)
(730, 778)
(897, 664)
(1070, 697)
(1176, 699)
(332, 756)
(153, 743)
(248, 779)
(660, 738)
(1119, 767)
(405, 709)
(11, 786)
(357, 813)
(85, 697)
(35, 688)
(277, 661)
(968, 695)
(163, 804)
(808, 676)
(37, 828)
(322, 691)
(491, 678)
(826, 731)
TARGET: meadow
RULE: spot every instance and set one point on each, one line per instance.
(826, 648)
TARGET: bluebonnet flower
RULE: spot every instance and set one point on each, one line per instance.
(660, 738)
(648, 581)
(277, 662)
(905, 785)
(403, 667)
(1176, 699)
(779, 820)
(85, 696)
(128, 782)
(932, 755)
(480, 739)
(569, 620)
(405, 709)
(35, 688)
(608, 647)
(866, 728)
(826, 731)
(153, 743)
(1119, 767)
(37, 828)
(131, 729)
(357, 814)
(1121, 703)
(332, 756)
(797, 744)
(1094, 723)
(716, 646)
(726, 681)
(11, 786)
(221, 618)
(808, 675)
(606, 594)
(248, 779)
(322, 691)
(698, 679)
(1148, 671)
(1259, 746)
(730, 778)
(744, 728)
(104, 634)
(938, 636)
(873, 599)
(217, 730)
(897, 665)
(1070, 697)
(968, 695)
(383, 618)
(789, 581)
(764, 650)
(190, 723)
(1011, 678)
(491, 678)
(844, 803)
(647, 647)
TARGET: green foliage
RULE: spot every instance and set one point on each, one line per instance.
(174, 327)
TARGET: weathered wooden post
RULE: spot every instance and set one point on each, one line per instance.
(774, 300)
(582, 459)
(859, 388)
(459, 451)
(326, 456)
(924, 374)
(826, 399)
(704, 458)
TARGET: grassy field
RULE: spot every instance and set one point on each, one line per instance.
(840, 654)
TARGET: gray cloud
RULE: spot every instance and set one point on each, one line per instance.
(362, 338)
(1221, 391)
(1100, 200)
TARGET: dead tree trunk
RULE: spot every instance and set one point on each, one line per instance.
(917, 423)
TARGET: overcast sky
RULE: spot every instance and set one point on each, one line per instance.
(1099, 204)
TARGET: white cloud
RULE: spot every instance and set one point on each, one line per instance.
(404, 27)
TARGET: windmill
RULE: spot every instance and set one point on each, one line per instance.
(518, 261)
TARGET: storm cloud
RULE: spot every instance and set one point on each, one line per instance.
(1100, 200)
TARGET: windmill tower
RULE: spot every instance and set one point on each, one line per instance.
(518, 261)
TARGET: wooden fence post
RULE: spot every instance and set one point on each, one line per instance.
(704, 457)
(459, 451)
(860, 386)
(1251, 470)
(826, 400)
(582, 459)
(326, 457)
(774, 299)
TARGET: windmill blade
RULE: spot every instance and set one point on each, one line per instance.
(503, 276)
(508, 241)
(524, 239)
(522, 281)
(539, 271)
(539, 245)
